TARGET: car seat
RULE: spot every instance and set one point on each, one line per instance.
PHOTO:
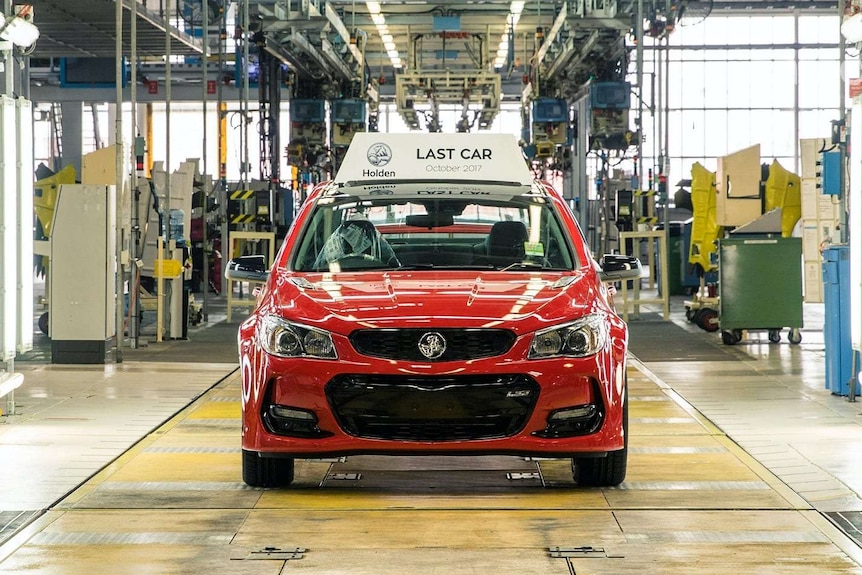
(504, 244)
(356, 238)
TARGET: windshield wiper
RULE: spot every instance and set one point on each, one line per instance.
(429, 266)
(530, 266)
(410, 267)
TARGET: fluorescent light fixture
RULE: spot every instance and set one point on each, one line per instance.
(388, 42)
(851, 28)
(8, 222)
(19, 31)
(515, 10)
(9, 382)
(24, 175)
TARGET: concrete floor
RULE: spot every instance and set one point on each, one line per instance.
(740, 461)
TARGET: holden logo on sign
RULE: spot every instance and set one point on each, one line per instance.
(379, 155)
(432, 345)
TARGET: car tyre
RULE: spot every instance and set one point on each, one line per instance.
(608, 471)
(260, 471)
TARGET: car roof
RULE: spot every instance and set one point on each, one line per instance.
(436, 189)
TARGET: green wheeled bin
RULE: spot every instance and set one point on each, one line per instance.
(760, 287)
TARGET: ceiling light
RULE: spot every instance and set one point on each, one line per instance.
(851, 28)
(388, 42)
(517, 7)
(19, 31)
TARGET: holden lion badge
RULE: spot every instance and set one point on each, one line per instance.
(379, 155)
(432, 345)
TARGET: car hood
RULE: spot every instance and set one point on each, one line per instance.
(522, 301)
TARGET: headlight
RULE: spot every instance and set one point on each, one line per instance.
(580, 338)
(285, 339)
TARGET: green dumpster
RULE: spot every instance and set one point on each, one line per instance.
(677, 256)
(760, 286)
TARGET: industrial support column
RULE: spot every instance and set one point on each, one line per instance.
(205, 192)
(73, 137)
(119, 186)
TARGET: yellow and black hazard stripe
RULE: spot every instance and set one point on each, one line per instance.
(652, 220)
(242, 218)
(242, 194)
(639, 193)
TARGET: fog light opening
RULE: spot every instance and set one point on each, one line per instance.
(282, 411)
(580, 412)
(574, 420)
(292, 421)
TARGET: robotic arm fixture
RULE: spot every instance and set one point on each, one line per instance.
(585, 54)
(303, 46)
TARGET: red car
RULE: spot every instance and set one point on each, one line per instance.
(434, 299)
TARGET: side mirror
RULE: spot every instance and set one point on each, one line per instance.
(617, 267)
(247, 269)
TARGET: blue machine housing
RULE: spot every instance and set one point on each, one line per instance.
(308, 111)
(836, 328)
(611, 95)
(348, 111)
(554, 110)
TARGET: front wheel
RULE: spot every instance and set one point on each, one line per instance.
(607, 471)
(260, 471)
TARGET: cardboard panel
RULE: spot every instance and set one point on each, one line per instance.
(738, 199)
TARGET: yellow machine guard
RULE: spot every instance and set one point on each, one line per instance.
(704, 229)
(784, 190)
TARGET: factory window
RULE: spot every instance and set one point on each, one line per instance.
(736, 81)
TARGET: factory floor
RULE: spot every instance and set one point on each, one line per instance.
(740, 462)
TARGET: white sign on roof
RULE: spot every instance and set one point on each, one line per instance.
(376, 157)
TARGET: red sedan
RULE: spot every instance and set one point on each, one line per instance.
(434, 299)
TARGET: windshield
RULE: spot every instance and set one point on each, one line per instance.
(347, 233)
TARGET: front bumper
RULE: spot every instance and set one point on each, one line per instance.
(362, 405)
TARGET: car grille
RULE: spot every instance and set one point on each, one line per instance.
(403, 344)
(432, 408)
